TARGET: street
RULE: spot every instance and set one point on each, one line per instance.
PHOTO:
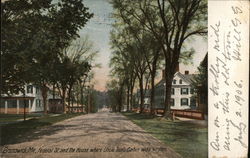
(99, 135)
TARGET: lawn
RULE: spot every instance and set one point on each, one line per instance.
(189, 140)
(13, 132)
(7, 118)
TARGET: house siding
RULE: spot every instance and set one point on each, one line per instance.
(33, 97)
(178, 83)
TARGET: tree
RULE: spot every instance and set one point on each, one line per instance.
(74, 67)
(200, 84)
(171, 22)
(40, 29)
(131, 45)
(150, 48)
(19, 21)
(115, 92)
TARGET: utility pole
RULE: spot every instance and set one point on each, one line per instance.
(88, 99)
(24, 112)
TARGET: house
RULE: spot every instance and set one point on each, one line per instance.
(147, 93)
(182, 93)
(15, 104)
(32, 100)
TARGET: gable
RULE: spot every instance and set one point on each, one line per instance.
(185, 80)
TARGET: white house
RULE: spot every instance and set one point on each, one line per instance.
(182, 92)
(32, 100)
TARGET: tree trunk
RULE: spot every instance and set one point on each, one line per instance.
(131, 97)
(168, 86)
(63, 100)
(141, 94)
(69, 94)
(81, 98)
(128, 97)
(152, 93)
(45, 95)
(54, 91)
(121, 99)
(70, 99)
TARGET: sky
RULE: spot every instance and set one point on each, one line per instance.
(98, 30)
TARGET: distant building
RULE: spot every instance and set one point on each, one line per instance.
(146, 98)
(33, 101)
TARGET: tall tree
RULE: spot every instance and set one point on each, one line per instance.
(42, 29)
(171, 22)
(74, 67)
(115, 92)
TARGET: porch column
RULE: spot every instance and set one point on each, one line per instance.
(6, 107)
(17, 106)
(29, 105)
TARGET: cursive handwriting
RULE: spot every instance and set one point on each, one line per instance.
(215, 144)
(216, 30)
(225, 103)
(227, 87)
(241, 129)
(227, 137)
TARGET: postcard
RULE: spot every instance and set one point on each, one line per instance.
(124, 78)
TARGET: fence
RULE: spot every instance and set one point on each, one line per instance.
(193, 114)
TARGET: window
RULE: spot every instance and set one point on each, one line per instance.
(172, 91)
(172, 102)
(38, 102)
(37, 90)
(184, 90)
(2, 104)
(12, 103)
(174, 81)
(180, 81)
(191, 91)
(184, 101)
(23, 103)
(29, 89)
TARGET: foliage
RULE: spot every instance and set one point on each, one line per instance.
(115, 90)
(34, 33)
(73, 68)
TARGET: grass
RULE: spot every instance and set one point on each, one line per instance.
(13, 132)
(189, 140)
(14, 117)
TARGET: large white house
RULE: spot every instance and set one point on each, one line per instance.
(182, 92)
(32, 100)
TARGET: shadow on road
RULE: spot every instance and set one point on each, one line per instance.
(90, 127)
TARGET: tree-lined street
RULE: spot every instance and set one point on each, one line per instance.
(76, 71)
(100, 130)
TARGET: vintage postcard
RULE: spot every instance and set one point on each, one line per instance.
(124, 78)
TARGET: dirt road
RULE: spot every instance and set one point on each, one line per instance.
(99, 135)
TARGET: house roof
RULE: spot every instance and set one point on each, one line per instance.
(187, 78)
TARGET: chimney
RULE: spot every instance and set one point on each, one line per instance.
(186, 72)
(177, 69)
(163, 73)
